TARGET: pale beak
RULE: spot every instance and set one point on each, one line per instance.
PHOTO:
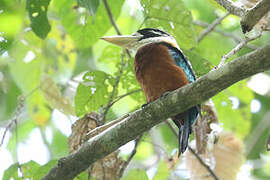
(126, 41)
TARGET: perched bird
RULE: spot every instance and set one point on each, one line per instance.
(160, 66)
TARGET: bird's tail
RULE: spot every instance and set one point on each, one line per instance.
(185, 127)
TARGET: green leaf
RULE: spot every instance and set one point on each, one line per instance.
(82, 29)
(43, 170)
(162, 172)
(145, 148)
(11, 172)
(213, 47)
(37, 10)
(173, 17)
(93, 92)
(31, 170)
(129, 83)
(9, 93)
(135, 174)
(20, 68)
(200, 65)
(256, 121)
(168, 137)
(28, 170)
(91, 5)
(59, 146)
(54, 97)
(236, 120)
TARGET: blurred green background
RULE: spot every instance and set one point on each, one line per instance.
(54, 69)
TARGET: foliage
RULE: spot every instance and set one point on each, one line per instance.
(54, 69)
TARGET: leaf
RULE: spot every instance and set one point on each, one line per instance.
(162, 172)
(9, 93)
(43, 170)
(129, 83)
(28, 170)
(200, 65)
(59, 145)
(135, 174)
(11, 172)
(173, 17)
(83, 30)
(60, 54)
(237, 119)
(26, 73)
(145, 148)
(91, 5)
(54, 97)
(258, 120)
(93, 92)
(37, 10)
(31, 170)
(214, 47)
(168, 137)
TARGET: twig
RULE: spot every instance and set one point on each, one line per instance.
(102, 128)
(124, 95)
(194, 153)
(132, 154)
(109, 12)
(237, 48)
(254, 15)
(202, 163)
(212, 26)
(232, 7)
(111, 17)
(117, 80)
(226, 34)
(15, 118)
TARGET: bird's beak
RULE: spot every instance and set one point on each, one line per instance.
(126, 41)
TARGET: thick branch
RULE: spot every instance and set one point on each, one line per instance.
(254, 14)
(232, 7)
(156, 112)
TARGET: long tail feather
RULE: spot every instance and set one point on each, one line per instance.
(185, 128)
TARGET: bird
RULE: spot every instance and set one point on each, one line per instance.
(160, 67)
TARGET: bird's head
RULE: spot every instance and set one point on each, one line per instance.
(141, 38)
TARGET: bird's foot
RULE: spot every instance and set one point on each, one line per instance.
(144, 105)
(164, 94)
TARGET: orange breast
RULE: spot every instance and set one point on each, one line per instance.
(156, 71)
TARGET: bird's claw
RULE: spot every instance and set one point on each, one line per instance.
(144, 105)
(164, 94)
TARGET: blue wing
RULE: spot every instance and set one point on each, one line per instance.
(182, 61)
(192, 113)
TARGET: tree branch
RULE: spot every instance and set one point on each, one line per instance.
(234, 37)
(212, 26)
(237, 48)
(174, 103)
(249, 17)
(232, 7)
(254, 14)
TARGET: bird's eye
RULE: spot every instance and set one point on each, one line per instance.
(134, 34)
